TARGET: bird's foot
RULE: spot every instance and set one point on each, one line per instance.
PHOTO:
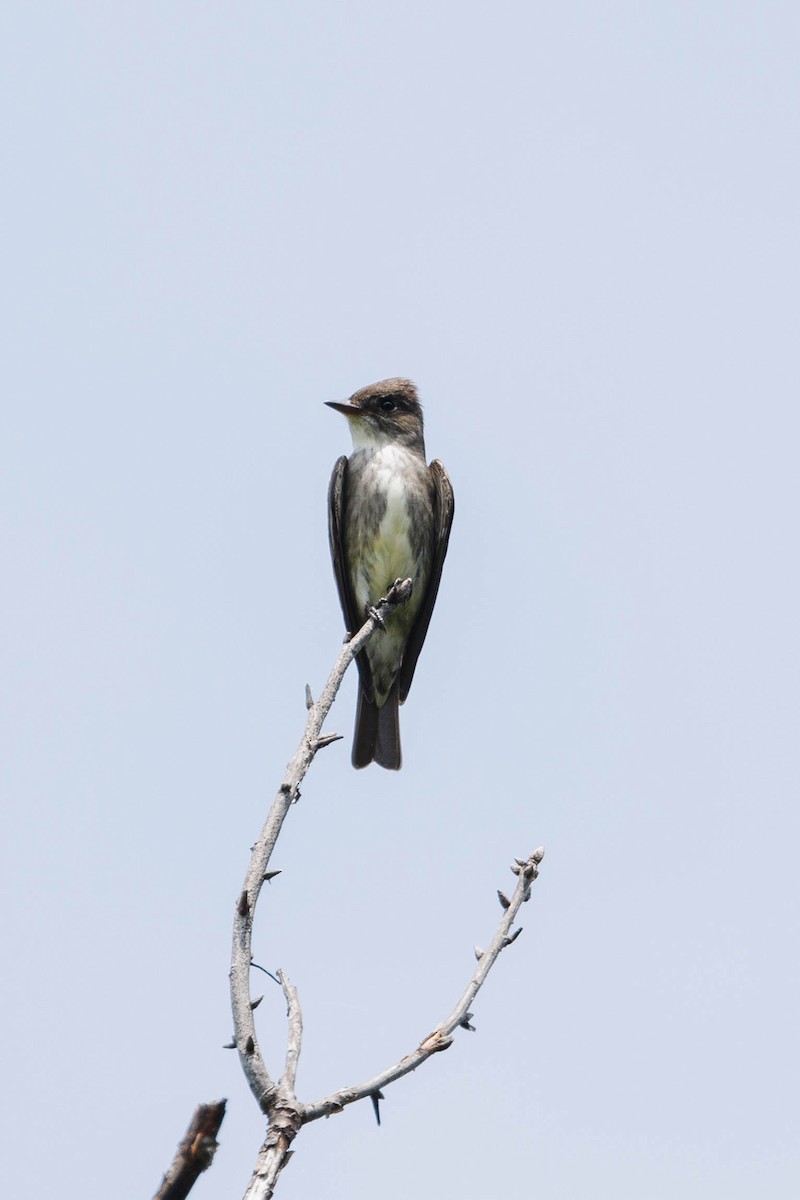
(400, 591)
(372, 611)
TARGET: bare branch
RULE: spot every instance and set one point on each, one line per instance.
(295, 1038)
(194, 1154)
(285, 1113)
(442, 1036)
(278, 1101)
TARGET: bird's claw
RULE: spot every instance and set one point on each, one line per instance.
(376, 616)
(399, 593)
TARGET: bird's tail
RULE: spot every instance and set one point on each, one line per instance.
(377, 736)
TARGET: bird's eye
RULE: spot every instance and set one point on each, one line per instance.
(388, 405)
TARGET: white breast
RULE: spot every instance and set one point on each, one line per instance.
(392, 556)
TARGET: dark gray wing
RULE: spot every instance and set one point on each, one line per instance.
(337, 494)
(444, 507)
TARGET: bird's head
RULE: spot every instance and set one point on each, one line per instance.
(384, 413)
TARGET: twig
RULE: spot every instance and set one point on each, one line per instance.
(194, 1154)
(442, 1036)
(295, 1038)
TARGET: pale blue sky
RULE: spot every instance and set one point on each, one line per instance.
(575, 226)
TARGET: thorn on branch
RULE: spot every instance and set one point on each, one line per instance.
(231, 1045)
(326, 739)
(376, 1098)
(504, 900)
(269, 875)
(512, 937)
(478, 952)
(255, 1003)
(465, 1024)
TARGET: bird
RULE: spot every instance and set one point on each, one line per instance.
(389, 518)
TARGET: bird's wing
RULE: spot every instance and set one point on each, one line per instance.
(353, 620)
(444, 506)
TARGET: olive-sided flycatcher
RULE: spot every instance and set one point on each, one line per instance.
(389, 518)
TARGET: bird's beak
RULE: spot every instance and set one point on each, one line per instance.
(348, 410)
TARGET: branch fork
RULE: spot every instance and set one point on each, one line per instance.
(278, 1101)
